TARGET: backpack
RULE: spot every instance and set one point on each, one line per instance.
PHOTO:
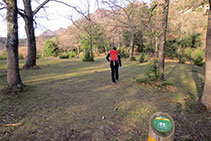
(114, 54)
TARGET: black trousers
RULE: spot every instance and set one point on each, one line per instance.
(114, 71)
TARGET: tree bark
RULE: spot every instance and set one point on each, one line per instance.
(91, 46)
(156, 47)
(13, 75)
(161, 62)
(206, 97)
(131, 44)
(29, 27)
(120, 41)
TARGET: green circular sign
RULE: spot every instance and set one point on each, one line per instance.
(162, 124)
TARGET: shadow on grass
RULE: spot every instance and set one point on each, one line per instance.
(84, 106)
(191, 118)
(72, 107)
(171, 71)
(192, 121)
(199, 82)
(59, 106)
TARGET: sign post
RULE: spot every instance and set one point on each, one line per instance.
(161, 127)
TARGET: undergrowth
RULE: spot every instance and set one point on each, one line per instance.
(153, 77)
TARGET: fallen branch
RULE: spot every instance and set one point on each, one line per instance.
(11, 125)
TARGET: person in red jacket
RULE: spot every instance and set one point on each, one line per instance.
(115, 61)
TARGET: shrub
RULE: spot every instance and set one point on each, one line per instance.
(182, 60)
(198, 57)
(38, 56)
(87, 50)
(149, 48)
(51, 48)
(171, 48)
(71, 54)
(188, 53)
(20, 56)
(192, 41)
(143, 58)
(4, 55)
(152, 75)
(123, 52)
(88, 57)
(133, 58)
(64, 56)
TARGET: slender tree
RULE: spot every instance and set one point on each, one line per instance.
(13, 75)
(28, 16)
(125, 18)
(161, 62)
(206, 98)
(130, 16)
(88, 26)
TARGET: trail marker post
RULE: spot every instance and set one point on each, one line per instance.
(161, 127)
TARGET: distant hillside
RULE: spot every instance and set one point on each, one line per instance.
(186, 18)
(69, 38)
(49, 34)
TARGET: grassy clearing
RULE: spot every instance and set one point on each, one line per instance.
(74, 100)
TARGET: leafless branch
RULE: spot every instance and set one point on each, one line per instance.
(74, 23)
(76, 8)
(37, 1)
(88, 7)
(116, 9)
(151, 15)
(3, 5)
(3, 1)
(40, 6)
(40, 26)
(21, 13)
(35, 24)
(3, 8)
(97, 3)
(78, 35)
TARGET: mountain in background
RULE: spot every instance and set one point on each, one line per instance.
(49, 34)
(185, 18)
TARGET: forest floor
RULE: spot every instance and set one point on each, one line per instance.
(73, 100)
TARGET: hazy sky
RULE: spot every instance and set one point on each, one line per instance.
(58, 16)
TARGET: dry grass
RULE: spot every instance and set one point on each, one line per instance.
(74, 100)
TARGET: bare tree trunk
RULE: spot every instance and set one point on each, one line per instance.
(29, 27)
(91, 46)
(120, 41)
(78, 50)
(156, 47)
(131, 44)
(206, 98)
(13, 75)
(28, 15)
(161, 62)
